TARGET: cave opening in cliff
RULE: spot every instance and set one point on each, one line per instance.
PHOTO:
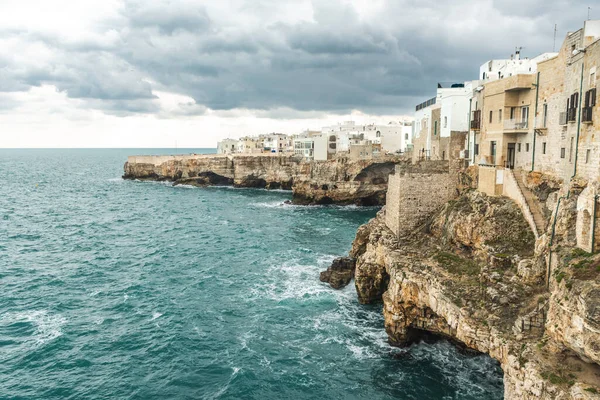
(417, 335)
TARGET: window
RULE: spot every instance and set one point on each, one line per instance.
(499, 115)
(491, 116)
(434, 128)
(513, 111)
(524, 114)
(519, 147)
(527, 147)
(406, 136)
(587, 156)
(493, 151)
(445, 122)
(476, 150)
(562, 152)
(571, 150)
(378, 134)
(544, 148)
(545, 116)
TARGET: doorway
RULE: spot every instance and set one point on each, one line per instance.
(510, 159)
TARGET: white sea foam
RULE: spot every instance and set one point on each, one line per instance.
(185, 186)
(156, 315)
(289, 206)
(47, 326)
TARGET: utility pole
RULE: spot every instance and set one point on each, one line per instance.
(554, 44)
(589, 8)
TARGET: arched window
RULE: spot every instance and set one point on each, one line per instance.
(378, 134)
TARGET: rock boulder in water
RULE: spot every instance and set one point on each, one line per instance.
(340, 273)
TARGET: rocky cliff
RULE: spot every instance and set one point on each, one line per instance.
(340, 181)
(475, 274)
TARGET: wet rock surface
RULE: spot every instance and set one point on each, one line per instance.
(475, 274)
(340, 273)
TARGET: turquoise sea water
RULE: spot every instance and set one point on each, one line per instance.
(115, 289)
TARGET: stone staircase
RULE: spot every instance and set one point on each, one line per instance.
(532, 203)
(535, 320)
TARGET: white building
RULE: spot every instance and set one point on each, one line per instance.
(498, 69)
(454, 103)
(396, 136)
(277, 143)
(311, 146)
(227, 146)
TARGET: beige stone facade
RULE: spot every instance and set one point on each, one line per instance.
(559, 133)
(416, 190)
(506, 118)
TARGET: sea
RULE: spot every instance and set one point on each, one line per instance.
(114, 289)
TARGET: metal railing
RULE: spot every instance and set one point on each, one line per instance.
(515, 124)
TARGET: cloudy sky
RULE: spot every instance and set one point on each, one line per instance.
(186, 73)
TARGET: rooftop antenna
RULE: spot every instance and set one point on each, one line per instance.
(554, 44)
(589, 8)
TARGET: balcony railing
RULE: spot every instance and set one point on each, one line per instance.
(515, 124)
(586, 114)
(562, 118)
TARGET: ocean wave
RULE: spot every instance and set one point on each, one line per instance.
(156, 315)
(47, 327)
(290, 206)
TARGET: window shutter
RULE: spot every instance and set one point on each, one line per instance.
(587, 99)
(593, 97)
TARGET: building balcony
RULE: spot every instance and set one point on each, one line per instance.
(516, 125)
(587, 115)
(519, 82)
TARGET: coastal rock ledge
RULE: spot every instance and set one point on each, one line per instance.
(340, 273)
(474, 273)
(338, 181)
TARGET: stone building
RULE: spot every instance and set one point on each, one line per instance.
(416, 190)
(506, 118)
(545, 122)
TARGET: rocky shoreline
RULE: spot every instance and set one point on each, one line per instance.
(474, 273)
(339, 181)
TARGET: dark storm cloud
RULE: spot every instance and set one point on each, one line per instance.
(338, 61)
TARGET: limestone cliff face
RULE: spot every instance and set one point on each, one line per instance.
(340, 181)
(472, 275)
